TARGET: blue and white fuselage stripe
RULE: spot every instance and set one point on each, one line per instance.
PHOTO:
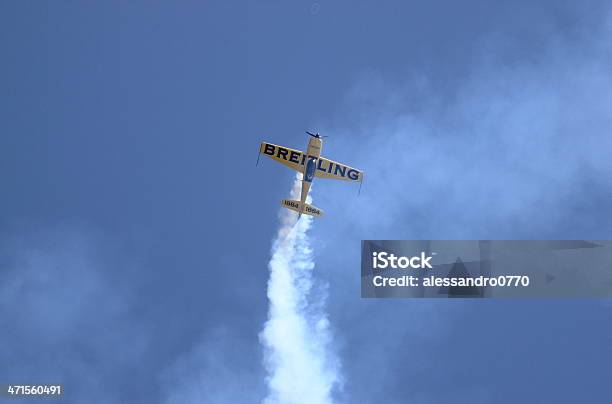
(311, 166)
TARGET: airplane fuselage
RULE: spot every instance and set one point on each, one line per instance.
(313, 152)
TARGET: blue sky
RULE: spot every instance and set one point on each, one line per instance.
(135, 230)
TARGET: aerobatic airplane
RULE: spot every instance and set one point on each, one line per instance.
(311, 165)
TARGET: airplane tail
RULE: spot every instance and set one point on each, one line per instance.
(296, 206)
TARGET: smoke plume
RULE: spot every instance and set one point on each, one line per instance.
(300, 364)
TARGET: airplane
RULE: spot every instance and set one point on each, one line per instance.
(311, 165)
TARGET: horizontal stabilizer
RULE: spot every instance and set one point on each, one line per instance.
(300, 207)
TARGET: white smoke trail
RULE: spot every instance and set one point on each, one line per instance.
(301, 367)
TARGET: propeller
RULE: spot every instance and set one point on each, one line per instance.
(315, 135)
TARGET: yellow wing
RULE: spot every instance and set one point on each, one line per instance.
(284, 155)
(331, 169)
